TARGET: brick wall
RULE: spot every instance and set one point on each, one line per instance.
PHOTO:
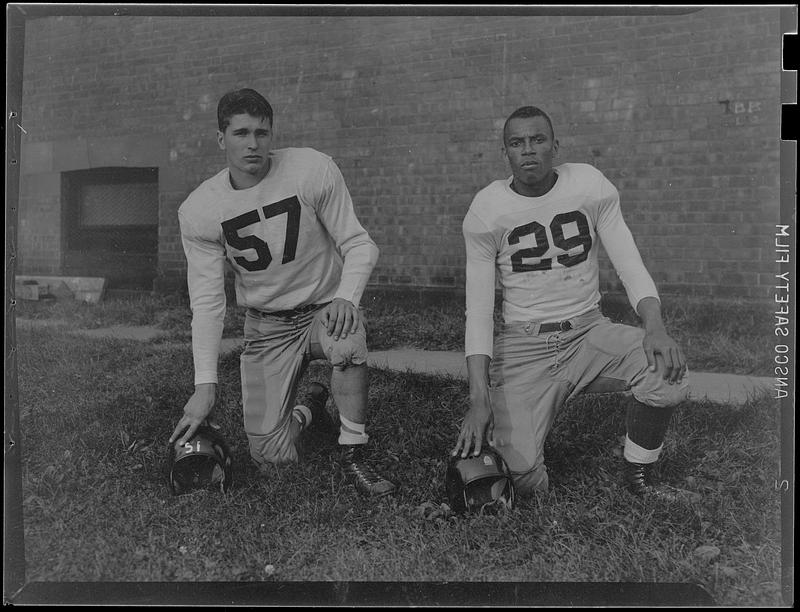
(680, 111)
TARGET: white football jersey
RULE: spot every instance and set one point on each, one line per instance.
(292, 240)
(544, 252)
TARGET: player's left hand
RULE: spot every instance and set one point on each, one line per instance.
(658, 342)
(476, 430)
(341, 317)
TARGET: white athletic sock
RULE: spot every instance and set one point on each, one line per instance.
(352, 433)
(636, 454)
(303, 415)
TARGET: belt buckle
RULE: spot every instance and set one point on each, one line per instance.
(565, 325)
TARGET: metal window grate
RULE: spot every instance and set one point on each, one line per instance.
(129, 204)
(112, 210)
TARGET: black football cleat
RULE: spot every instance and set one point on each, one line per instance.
(639, 481)
(315, 400)
(358, 473)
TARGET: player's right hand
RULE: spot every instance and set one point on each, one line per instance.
(197, 410)
(477, 427)
(340, 318)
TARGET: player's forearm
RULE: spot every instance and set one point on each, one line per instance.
(359, 261)
(649, 310)
(205, 279)
(208, 304)
(206, 340)
(626, 259)
(480, 282)
(208, 321)
(478, 373)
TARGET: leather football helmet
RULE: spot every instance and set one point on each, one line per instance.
(204, 462)
(479, 483)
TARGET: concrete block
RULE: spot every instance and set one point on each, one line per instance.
(61, 291)
(29, 290)
(84, 288)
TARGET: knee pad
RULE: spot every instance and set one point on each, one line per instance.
(345, 352)
(654, 391)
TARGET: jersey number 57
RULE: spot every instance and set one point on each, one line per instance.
(290, 207)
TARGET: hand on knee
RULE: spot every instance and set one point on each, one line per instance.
(655, 391)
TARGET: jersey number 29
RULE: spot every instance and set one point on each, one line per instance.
(582, 239)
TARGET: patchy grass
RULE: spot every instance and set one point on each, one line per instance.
(724, 336)
(141, 309)
(170, 313)
(716, 336)
(96, 415)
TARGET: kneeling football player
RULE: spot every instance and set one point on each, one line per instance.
(539, 233)
(283, 219)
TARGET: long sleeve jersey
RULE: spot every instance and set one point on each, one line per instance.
(292, 240)
(544, 251)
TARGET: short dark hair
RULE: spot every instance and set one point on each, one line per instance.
(242, 101)
(526, 112)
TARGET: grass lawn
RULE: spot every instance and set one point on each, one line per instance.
(716, 336)
(96, 414)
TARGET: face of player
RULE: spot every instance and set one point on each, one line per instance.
(246, 142)
(529, 147)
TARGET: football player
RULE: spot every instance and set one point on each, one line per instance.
(539, 232)
(284, 221)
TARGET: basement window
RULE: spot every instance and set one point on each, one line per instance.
(111, 209)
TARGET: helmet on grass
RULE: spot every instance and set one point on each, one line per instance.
(479, 483)
(204, 462)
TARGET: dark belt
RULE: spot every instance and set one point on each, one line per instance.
(547, 328)
(552, 327)
(285, 314)
(579, 321)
